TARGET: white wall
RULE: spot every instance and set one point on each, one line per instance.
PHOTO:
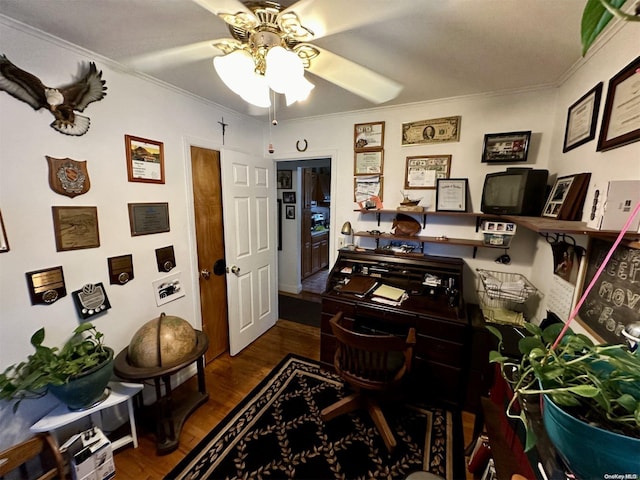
(132, 106)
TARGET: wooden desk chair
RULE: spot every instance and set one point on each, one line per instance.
(21, 459)
(371, 365)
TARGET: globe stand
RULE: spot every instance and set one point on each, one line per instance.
(166, 414)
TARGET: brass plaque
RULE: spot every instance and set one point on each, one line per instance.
(91, 300)
(166, 258)
(148, 218)
(120, 269)
(46, 286)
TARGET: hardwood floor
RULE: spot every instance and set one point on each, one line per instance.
(229, 380)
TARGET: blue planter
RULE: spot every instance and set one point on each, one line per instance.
(590, 452)
(84, 390)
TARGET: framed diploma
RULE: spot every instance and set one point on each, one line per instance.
(75, 228)
(148, 218)
(145, 160)
(621, 120)
(423, 171)
(451, 195)
(437, 130)
(581, 119)
(367, 136)
(368, 163)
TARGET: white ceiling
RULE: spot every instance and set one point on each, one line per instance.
(434, 48)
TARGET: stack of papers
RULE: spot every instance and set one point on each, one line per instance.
(389, 295)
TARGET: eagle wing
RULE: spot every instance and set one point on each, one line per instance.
(90, 88)
(22, 85)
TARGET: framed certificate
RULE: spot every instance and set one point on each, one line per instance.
(148, 218)
(423, 171)
(368, 136)
(621, 120)
(145, 160)
(368, 163)
(581, 119)
(451, 195)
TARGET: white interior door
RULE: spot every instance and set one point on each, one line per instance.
(248, 197)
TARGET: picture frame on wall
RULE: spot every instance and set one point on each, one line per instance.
(148, 218)
(368, 163)
(451, 194)
(290, 212)
(422, 171)
(288, 197)
(506, 147)
(621, 118)
(582, 117)
(285, 179)
(75, 228)
(435, 130)
(567, 197)
(145, 160)
(368, 136)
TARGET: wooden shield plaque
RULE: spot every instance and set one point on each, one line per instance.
(68, 177)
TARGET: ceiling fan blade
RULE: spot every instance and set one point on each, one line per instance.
(173, 56)
(233, 12)
(353, 77)
(319, 15)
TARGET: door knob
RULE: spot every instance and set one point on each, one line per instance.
(235, 269)
(219, 267)
(205, 274)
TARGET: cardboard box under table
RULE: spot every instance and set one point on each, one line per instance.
(90, 455)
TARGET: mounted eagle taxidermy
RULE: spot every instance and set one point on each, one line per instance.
(62, 102)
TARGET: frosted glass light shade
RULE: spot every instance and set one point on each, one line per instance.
(283, 67)
(233, 68)
(256, 90)
(298, 90)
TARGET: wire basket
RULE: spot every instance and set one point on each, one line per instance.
(503, 296)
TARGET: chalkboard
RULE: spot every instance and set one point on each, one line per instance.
(614, 300)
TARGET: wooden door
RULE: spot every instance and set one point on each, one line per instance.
(207, 202)
(249, 196)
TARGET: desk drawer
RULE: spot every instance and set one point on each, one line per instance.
(431, 327)
(332, 307)
(442, 351)
(394, 317)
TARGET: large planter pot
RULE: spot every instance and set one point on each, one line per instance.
(86, 389)
(590, 452)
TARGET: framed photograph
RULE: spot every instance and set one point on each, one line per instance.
(75, 228)
(284, 178)
(621, 120)
(4, 243)
(290, 212)
(451, 194)
(367, 136)
(168, 289)
(557, 196)
(148, 218)
(582, 118)
(145, 160)
(368, 163)
(567, 197)
(288, 197)
(506, 147)
(422, 171)
(437, 130)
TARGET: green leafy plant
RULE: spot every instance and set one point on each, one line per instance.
(599, 384)
(597, 14)
(52, 366)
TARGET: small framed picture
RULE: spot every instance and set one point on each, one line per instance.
(284, 178)
(368, 163)
(581, 119)
(620, 122)
(288, 197)
(367, 136)
(557, 197)
(451, 195)
(423, 171)
(75, 228)
(290, 212)
(145, 160)
(506, 147)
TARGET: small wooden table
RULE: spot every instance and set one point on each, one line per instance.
(169, 418)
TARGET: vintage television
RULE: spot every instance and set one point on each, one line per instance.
(516, 191)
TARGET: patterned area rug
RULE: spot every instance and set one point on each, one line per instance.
(276, 432)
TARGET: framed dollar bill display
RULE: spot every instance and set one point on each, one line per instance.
(436, 130)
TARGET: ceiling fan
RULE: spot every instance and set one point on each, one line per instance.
(263, 30)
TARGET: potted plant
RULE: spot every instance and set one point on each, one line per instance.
(590, 398)
(77, 374)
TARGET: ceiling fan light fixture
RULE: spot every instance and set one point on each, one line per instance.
(255, 90)
(233, 68)
(283, 68)
(298, 91)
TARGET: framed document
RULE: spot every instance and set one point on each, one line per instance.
(75, 228)
(437, 130)
(368, 163)
(365, 188)
(423, 171)
(621, 120)
(367, 136)
(506, 147)
(148, 218)
(581, 119)
(145, 160)
(451, 195)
